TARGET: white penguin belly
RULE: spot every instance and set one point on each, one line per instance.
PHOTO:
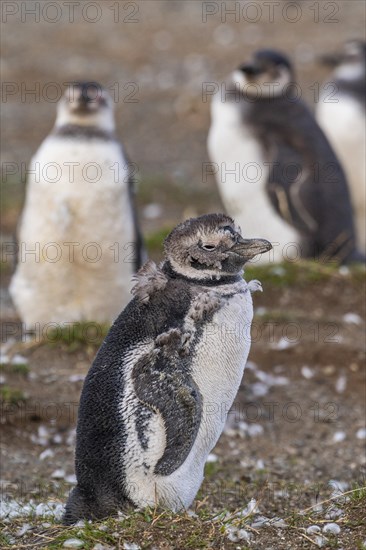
(344, 125)
(241, 176)
(217, 369)
(82, 232)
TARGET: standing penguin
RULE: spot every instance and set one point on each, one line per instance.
(275, 169)
(155, 400)
(341, 113)
(79, 241)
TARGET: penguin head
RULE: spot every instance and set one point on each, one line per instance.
(349, 64)
(210, 246)
(86, 104)
(267, 74)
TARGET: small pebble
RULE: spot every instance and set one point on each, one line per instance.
(341, 384)
(307, 372)
(19, 360)
(279, 523)
(313, 529)
(71, 479)
(80, 523)
(361, 433)
(24, 528)
(334, 513)
(131, 546)
(352, 318)
(212, 458)
(77, 378)
(255, 429)
(332, 528)
(152, 211)
(338, 437)
(329, 370)
(320, 541)
(282, 344)
(233, 536)
(73, 543)
(48, 453)
(242, 534)
(259, 389)
(4, 359)
(58, 474)
(260, 521)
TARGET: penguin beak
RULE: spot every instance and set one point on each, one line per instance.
(248, 248)
(330, 60)
(250, 69)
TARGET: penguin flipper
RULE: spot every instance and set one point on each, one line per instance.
(162, 382)
(287, 180)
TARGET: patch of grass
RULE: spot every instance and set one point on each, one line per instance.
(278, 315)
(358, 494)
(302, 273)
(77, 335)
(211, 468)
(176, 194)
(12, 197)
(6, 267)
(18, 368)
(154, 241)
(148, 528)
(11, 396)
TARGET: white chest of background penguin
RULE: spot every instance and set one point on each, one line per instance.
(275, 169)
(155, 400)
(79, 196)
(341, 113)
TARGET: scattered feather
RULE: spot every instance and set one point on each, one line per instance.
(332, 528)
(73, 543)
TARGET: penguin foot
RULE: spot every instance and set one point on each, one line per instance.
(78, 507)
(255, 286)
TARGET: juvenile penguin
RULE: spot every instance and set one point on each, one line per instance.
(275, 169)
(341, 113)
(79, 242)
(155, 400)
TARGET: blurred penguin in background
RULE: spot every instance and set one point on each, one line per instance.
(79, 241)
(341, 114)
(275, 169)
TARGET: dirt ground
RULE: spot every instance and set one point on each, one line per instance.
(296, 428)
(296, 433)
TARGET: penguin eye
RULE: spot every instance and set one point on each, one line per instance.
(208, 247)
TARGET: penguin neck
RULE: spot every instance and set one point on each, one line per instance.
(88, 132)
(205, 281)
